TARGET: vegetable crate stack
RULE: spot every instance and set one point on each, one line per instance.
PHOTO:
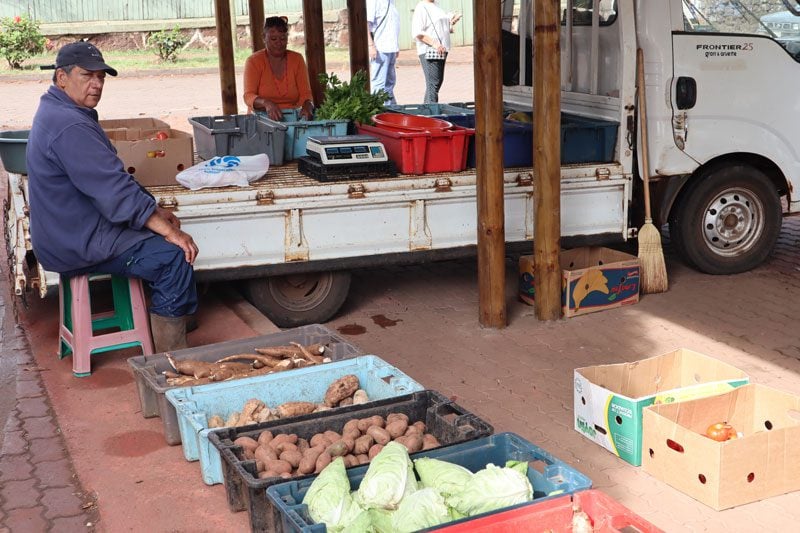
(456, 484)
(609, 399)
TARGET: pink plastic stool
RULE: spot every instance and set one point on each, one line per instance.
(78, 324)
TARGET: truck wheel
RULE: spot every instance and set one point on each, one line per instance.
(728, 221)
(299, 299)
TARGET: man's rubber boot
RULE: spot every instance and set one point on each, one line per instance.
(169, 333)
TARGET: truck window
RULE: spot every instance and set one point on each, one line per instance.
(778, 20)
(582, 12)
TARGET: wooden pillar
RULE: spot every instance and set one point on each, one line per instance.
(359, 44)
(234, 37)
(256, 10)
(227, 71)
(315, 47)
(547, 159)
(489, 149)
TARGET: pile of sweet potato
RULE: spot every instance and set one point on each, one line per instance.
(286, 455)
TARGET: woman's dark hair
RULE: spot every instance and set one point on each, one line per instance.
(279, 23)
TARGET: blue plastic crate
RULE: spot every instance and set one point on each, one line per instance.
(553, 476)
(587, 140)
(195, 405)
(298, 131)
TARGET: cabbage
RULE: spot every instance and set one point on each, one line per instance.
(381, 520)
(329, 501)
(389, 478)
(447, 478)
(490, 489)
(422, 509)
(520, 466)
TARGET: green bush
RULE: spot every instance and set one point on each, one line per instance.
(168, 43)
(20, 39)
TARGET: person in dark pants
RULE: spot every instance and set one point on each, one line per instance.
(431, 28)
(88, 214)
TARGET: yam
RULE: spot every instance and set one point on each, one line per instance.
(278, 465)
(337, 449)
(251, 407)
(264, 415)
(363, 444)
(429, 441)
(375, 450)
(265, 437)
(360, 396)
(290, 409)
(265, 454)
(232, 420)
(293, 457)
(347, 401)
(396, 428)
(323, 460)
(216, 421)
(391, 417)
(341, 389)
(320, 408)
(380, 435)
(309, 461)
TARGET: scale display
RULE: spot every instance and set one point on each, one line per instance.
(346, 149)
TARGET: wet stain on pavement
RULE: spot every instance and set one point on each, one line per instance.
(134, 443)
(352, 329)
(382, 321)
(104, 378)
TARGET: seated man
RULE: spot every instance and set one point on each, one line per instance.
(88, 214)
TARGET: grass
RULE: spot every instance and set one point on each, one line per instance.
(126, 61)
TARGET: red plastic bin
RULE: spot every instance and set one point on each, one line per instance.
(424, 152)
(607, 516)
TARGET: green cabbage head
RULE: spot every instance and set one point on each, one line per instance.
(447, 478)
(389, 478)
(490, 489)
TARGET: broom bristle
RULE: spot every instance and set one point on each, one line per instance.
(653, 271)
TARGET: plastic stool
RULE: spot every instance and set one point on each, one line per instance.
(78, 324)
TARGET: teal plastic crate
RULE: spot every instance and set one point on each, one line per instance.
(298, 131)
(12, 150)
(553, 477)
(195, 405)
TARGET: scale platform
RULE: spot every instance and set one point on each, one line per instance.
(367, 170)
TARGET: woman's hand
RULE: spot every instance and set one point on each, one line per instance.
(306, 111)
(273, 111)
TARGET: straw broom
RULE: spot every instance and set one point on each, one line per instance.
(651, 256)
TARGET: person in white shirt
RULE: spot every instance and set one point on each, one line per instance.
(383, 22)
(431, 28)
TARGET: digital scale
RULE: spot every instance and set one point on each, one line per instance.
(344, 157)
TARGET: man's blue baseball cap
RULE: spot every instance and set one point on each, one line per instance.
(83, 54)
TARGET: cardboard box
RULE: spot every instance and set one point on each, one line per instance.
(151, 161)
(593, 279)
(763, 462)
(609, 399)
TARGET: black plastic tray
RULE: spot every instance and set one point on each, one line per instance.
(371, 170)
(447, 421)
(152, 385)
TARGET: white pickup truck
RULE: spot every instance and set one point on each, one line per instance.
(723, 158)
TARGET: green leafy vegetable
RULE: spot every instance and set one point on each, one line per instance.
(329, 501)
(422, 509)
(351, 100)
(382, 520)
(519, 466)
(447, 478)
(490, 489)
(389, 478)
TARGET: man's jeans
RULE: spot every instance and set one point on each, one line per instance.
(384, 74)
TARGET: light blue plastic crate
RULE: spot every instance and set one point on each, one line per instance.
(299, 131)
(554, 479)
(195, 405)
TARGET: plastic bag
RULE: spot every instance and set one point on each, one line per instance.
(224, 171)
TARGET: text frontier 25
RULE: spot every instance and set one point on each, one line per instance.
(724, 50)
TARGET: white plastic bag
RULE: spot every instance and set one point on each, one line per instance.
(223, 171)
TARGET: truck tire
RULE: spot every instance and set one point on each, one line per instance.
(728, 221)
(299, 299)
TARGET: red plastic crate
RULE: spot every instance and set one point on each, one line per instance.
(424, 152)
(607, 516)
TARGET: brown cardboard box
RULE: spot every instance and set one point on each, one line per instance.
(593, 279)
(763, 462)
(151, 161)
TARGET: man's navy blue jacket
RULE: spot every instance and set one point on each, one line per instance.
(84, 207)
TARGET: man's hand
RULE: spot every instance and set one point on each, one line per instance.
(169, 216)
(184, 241)
(166, 224)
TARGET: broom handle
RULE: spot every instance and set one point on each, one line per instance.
(648, 219)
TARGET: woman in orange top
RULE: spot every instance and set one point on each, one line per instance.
(276, 78)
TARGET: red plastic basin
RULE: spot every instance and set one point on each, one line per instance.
(402, 122)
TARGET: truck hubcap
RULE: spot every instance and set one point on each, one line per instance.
(733, 222)
(301, 292)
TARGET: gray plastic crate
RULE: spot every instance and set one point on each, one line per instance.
(152, 385)
(238, 135)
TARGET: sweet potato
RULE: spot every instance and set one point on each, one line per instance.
(265, 454)
(267, 474)
(363, 444)
(341, 389)
(302, 445)
(421, 426)
(429, 441)
(284, 446)
(396, 428)
(247, 443)
(350, 460)
(279, 466)
(319, 439)
(391, 417)
(332, 436)
(288, 437)
(309, 461)
(377, 420)
(413, 443)
(362, 458)
(380, 435)
(337, 449)
(351, 425)
(289, 409)
(412, 430)
(364, 424)
(351, 434)
(286, 475)
(293, 457)
(360, 396)
(259, 466)
(248, 454)
(264, 437)
(323, 460)
(375, 450)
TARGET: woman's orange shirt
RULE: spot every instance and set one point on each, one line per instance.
(287, 92)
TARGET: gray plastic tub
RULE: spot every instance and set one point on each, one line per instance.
(12, 150)
(152, 385)
(239, 135)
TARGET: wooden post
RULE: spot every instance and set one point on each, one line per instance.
(227, 71)
(547, 159)
(234, 37)
(489, 151)
(359, 44)
(315, 47)
(256, 10)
